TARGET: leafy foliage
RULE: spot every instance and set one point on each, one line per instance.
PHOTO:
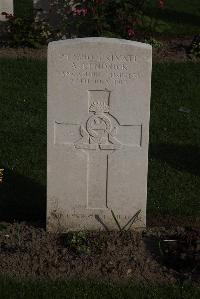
(77, 242)
(154, 42)
(195, 47)
(81, 18)
(30, 32)
(111, 18)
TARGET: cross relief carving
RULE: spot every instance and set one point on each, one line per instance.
(100, 136)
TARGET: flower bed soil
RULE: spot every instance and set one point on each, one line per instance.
(174, 50)
(28, 251)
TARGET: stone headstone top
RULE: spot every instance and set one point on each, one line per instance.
(6, 6)
(42, 5)
(98, 128)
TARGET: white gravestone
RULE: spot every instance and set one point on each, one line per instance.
(98, 131)
(45, 10)
(5, 6)
(41, 4)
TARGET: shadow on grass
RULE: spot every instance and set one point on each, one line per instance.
(174, 16)
(181, 157)
(22, 199)
(23, 8)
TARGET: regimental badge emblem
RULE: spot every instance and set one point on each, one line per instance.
(100, 130)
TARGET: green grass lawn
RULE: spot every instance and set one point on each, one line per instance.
(23, 138)
(174, 156)
(178, 17)
(23, 289)
(23, 7)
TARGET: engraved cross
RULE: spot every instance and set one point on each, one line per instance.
(100, 135)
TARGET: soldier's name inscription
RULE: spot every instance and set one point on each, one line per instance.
(113, 69)
(88, 57)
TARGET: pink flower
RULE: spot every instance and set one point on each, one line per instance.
(79, 11)
(130, 32)
(161, 3)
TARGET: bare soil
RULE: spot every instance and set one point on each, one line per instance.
(29, 53)
(27, 251)
(174, 50)
(170, 221)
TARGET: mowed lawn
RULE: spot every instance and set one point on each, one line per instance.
(25, 289)
(174, 155)
(23, 8)
(177, 18)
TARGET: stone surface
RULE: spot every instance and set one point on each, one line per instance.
(98, 131)
(5, 6)
(44, 12)
(41, 4)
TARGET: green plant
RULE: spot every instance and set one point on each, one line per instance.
(77, 241)
(3, 226)
(25, 31)
(130, 222)
(149, 26)
(112, 18)
(194, 49)
(154, 42)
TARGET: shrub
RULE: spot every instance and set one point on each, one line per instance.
(24, 32)
(111, 18)
(154, 42)
(194, 49)
(81, 18)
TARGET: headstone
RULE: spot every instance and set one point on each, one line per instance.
(6, 6)
(41, 4)
(42, 9)
(98, 131)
